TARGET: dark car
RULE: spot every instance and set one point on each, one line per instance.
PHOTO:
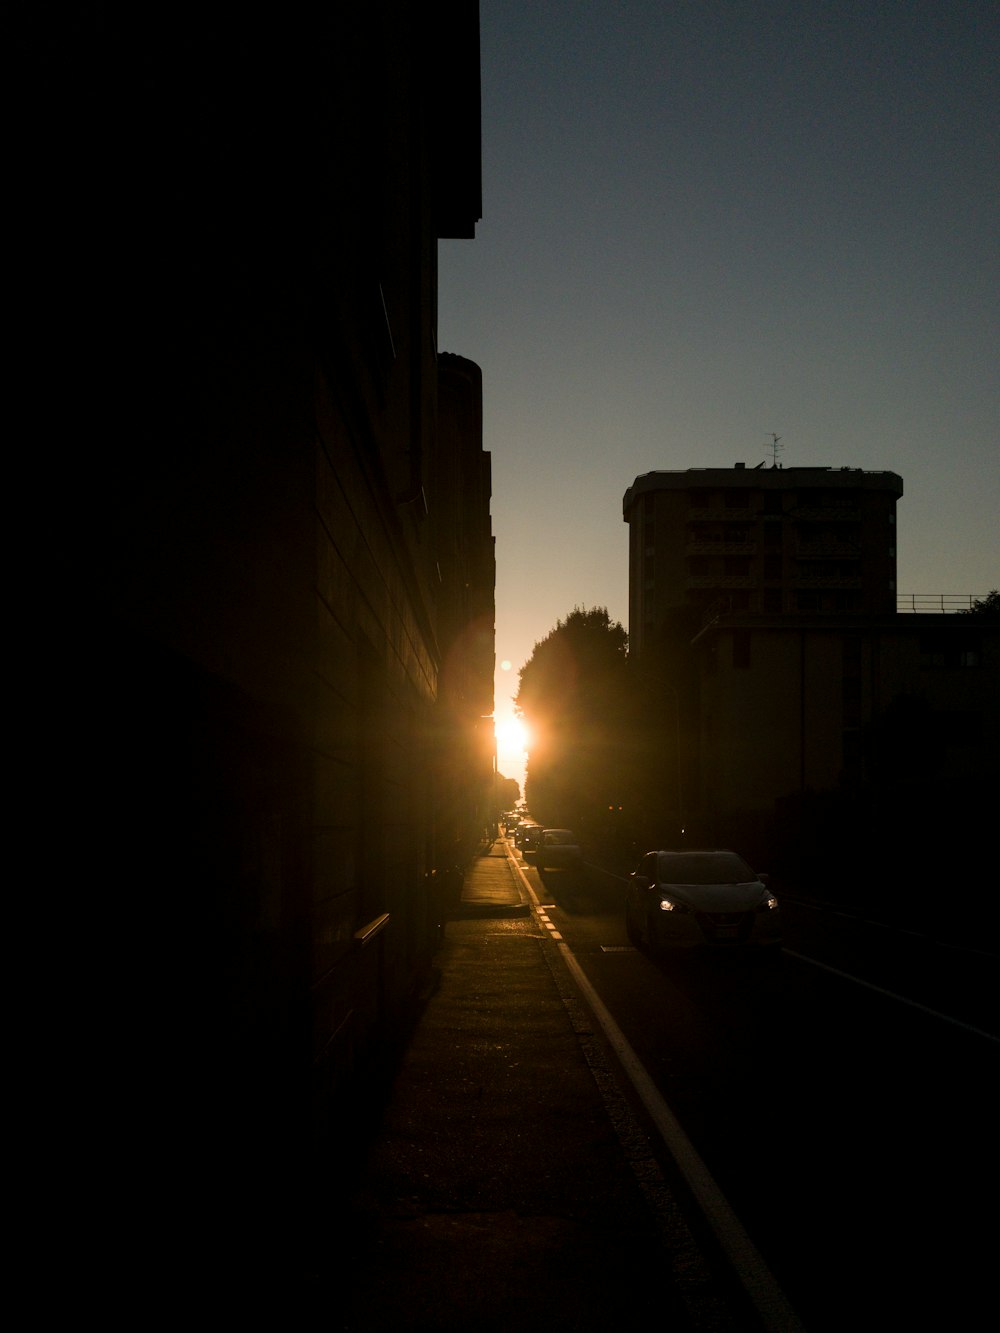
(530, 837)
(700, 900)
(522, 824)
(559, 850)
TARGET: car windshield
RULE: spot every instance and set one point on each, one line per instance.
(559, 835)
(702, 868)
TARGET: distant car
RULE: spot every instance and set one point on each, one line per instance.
(531, 837)
(559, 850)
(700, 900)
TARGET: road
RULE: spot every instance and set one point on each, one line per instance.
(844, 1099)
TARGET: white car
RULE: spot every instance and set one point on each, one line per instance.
(700, 900)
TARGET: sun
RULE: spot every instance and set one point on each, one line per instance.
(512, 735)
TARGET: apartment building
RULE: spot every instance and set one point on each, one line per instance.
(795, 713)
(759, 541)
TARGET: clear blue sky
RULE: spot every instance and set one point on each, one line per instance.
(704, 222)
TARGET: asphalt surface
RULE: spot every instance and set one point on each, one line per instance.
(508, 1185)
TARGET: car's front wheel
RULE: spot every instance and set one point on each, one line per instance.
(638, 931)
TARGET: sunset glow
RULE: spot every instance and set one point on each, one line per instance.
(512, 735)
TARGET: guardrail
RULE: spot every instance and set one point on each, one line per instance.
(945, 602)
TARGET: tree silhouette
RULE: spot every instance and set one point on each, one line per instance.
(985, 608)
(574, 694)
(508, 792)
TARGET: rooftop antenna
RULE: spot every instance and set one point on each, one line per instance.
(775, 448)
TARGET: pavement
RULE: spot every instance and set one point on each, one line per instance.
(508, 1184)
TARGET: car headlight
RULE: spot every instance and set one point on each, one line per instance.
(768, 903)
(670, 905)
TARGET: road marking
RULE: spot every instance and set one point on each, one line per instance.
(893, 928)
(881, 925)
(758, 1282)
(891, 995)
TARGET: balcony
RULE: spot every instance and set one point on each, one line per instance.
(720, 548)
(720, 581)
(823, 515)
(718, 513)
(828, 546)
(820, 581)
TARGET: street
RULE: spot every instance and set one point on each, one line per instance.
(843, 1097)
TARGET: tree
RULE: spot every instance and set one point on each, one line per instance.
(574, 694)
(985, 608)
(508, 792)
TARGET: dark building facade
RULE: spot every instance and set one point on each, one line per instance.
(263, 621)
(868, 741)
(795, 713)
(772, 541)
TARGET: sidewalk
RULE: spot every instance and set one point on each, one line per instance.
(501, 1192)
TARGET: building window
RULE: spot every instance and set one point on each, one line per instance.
(772, 536)
(948, 653)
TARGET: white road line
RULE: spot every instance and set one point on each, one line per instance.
(893, 928)
(891, 995)
(897, 930)
(759, 1283)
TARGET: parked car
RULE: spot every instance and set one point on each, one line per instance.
(700, 900)
(559, 850)
(531, 837)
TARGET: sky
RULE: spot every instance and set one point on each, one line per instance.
(709, 222)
